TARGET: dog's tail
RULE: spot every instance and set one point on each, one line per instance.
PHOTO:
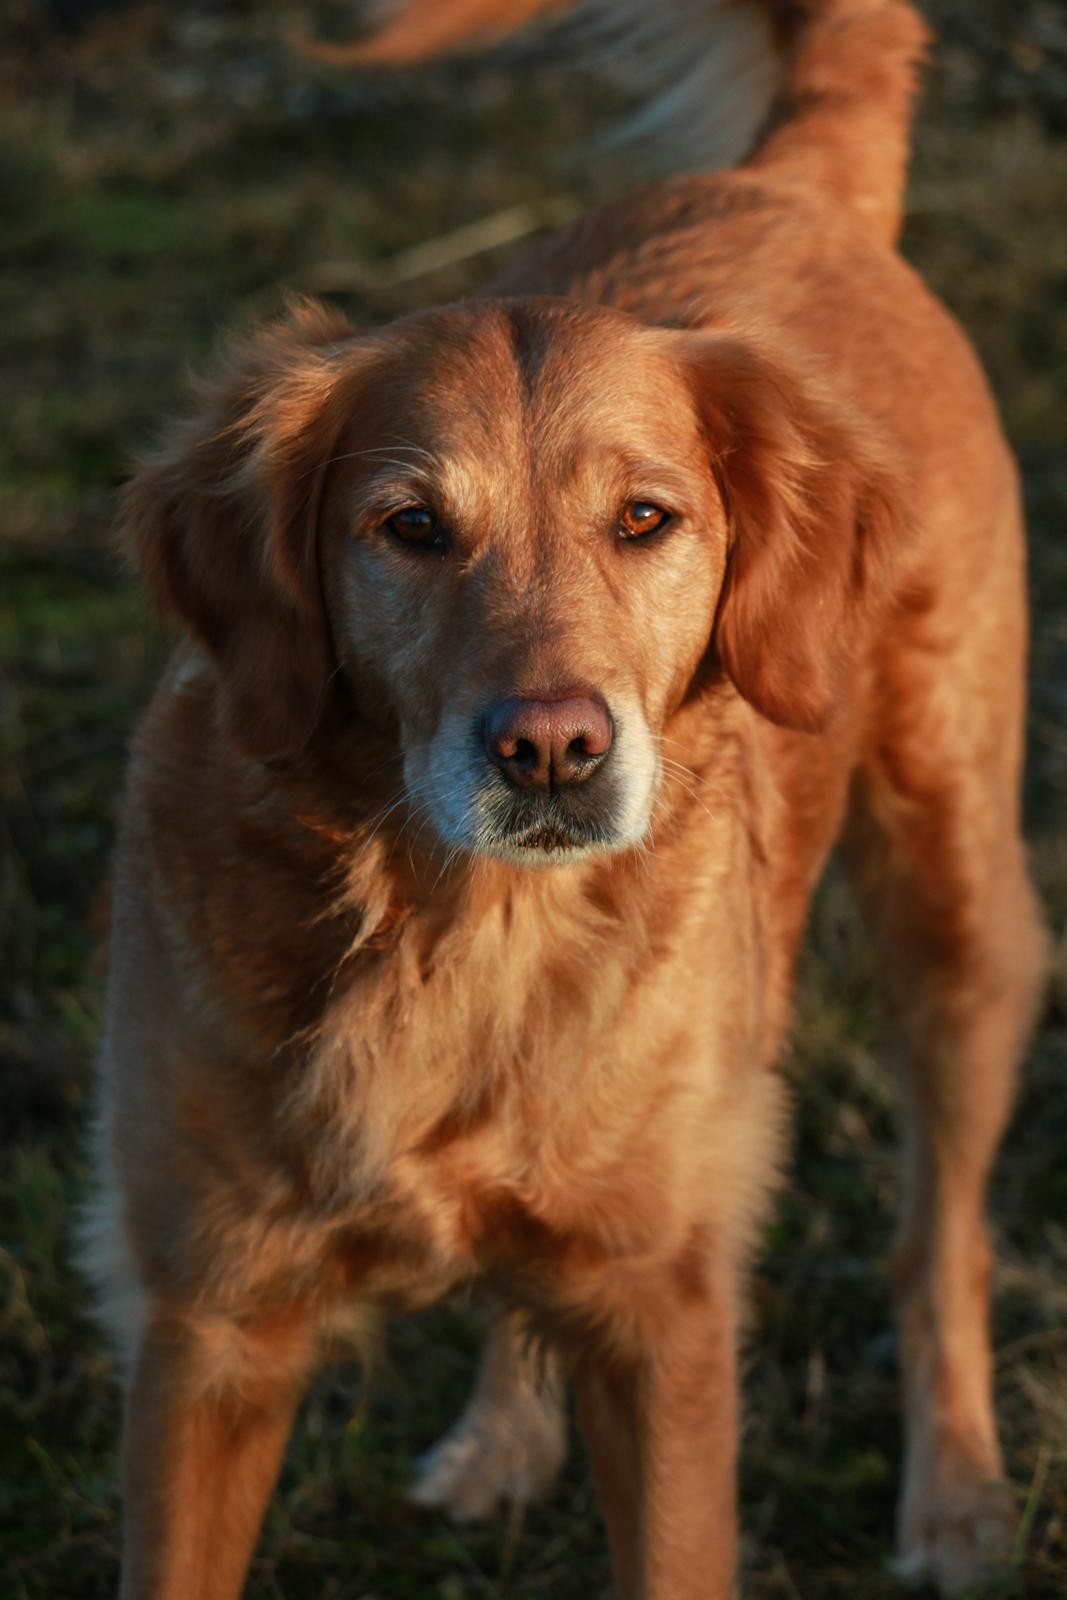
(819, 92)
(841, 119)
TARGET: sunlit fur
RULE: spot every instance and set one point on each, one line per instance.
(358, 1053)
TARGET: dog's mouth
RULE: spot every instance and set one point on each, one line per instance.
(549, 840)
(545, 828)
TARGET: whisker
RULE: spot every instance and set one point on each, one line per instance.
(388, 453)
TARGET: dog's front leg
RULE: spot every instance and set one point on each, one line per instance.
(661, 1425)
(208, 1413)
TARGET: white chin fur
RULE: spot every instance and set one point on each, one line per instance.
(536, 858)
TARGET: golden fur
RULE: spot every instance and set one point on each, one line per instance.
(364, 1045)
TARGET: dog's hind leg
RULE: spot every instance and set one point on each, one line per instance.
(936, 856)
(509, 1442)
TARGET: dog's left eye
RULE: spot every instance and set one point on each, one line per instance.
(640, 518)
(415, 525)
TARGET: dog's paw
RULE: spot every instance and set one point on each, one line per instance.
(960, 1537)
(510, 1450)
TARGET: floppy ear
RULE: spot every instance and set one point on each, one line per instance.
(223, 526)
(814, 506)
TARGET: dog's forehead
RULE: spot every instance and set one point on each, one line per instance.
(506, 379)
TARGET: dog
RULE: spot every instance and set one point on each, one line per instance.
(538, 649)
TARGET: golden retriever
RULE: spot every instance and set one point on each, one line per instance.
(539, 649)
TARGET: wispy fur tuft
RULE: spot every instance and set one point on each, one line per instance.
(702, 74)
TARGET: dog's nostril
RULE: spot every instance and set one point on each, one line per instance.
(526, 753)
(578, 749)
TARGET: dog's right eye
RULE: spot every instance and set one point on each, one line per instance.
(641, 518)
(417, 526)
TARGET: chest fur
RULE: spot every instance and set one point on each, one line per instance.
(525, 1100)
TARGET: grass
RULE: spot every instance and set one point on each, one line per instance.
(166, 172)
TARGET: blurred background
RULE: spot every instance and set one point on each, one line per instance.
(166, 172)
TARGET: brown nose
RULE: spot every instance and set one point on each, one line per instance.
(540, 744)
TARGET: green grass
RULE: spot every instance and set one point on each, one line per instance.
(166, 175)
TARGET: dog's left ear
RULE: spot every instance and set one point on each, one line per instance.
(814, 508)
(223, 525)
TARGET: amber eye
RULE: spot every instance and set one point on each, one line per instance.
(640, 517)
(417, 526)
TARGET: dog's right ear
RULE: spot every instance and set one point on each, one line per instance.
(223, 524)
(816, 510)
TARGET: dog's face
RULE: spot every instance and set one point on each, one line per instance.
(516, 528)
(522, 547)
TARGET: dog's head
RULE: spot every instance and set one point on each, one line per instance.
(521, 531)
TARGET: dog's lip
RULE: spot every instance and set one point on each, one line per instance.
(549, 826)
(547, 837)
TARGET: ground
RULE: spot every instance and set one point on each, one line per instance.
(167, 171)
